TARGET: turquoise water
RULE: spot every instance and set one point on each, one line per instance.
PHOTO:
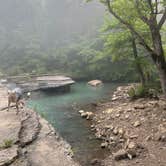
(61, 110)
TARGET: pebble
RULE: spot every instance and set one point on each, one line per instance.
(121, 131)
(115, 131)
(133, 136)
(109, 127)
(131, 145)
(131, 153)
(117, 115)
(81, 111)
(137, 123)
(104, 144)
(126, 116)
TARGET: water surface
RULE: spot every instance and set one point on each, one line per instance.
(61, 111)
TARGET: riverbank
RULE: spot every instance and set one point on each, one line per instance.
(27, 139)
(134, 131)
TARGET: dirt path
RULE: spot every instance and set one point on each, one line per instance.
(28, 140)
(134, 131)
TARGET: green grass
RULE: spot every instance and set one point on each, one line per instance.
(7, 143)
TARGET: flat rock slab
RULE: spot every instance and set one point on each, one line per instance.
(7, 156)
(9, 126)
(3, 97)
(48, 150)
(42, 147)
(30, 127)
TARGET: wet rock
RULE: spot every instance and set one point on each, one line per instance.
(137, 124)
(95, 82)
(81, 111)
(84, 115)
(120, 155)
(90, 115)
(87, 115)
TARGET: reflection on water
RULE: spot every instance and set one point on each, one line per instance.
(58, 110)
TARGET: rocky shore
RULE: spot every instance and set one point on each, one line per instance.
(133, 130)
(27, 139)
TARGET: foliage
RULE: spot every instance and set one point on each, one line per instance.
(140, 91)
(142, 19)
(7, 143)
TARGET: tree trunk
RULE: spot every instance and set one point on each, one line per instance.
(138, 65)
(158, 54)
(161, 66)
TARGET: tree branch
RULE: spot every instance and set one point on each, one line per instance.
(162, 20)
(151, 6)
(129, 26)
(156, 7)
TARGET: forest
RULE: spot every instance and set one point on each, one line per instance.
(83, 40)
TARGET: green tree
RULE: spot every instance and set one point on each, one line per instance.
(120, 43)
(151, 14)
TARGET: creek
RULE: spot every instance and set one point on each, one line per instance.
(61, 110)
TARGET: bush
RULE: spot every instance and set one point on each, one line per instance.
(131, 92)
(137, 92)
(6, 144)
(142, 91)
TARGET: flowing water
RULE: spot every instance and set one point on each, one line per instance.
(60, 111)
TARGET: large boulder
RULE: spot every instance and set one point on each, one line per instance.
(95, 82)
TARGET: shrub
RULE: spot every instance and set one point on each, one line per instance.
(142, 91)
(7, 143)
(138, 92)
(131, 92)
